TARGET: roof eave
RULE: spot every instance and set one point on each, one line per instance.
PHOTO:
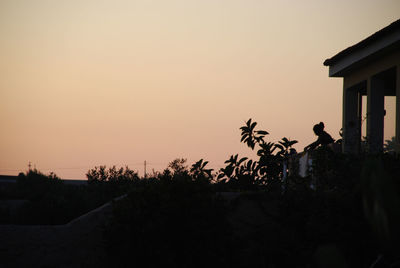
(340, 65)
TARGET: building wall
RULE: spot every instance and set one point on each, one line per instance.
(366, 76)
(371, 68)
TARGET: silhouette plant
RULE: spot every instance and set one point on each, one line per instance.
(269, 165)
(391, 146)
(50, 200)
(250, 136)
(178, 167)
(112, 174)
(170, 223)
(232, 169)
(285, 146)
(199, 170)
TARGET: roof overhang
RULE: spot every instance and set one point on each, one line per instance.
(378, 44)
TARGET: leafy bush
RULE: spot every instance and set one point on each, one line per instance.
(112, 174)
(50, 201)
(267, 170)
(171, 223)
(181, 222)
(176, 218)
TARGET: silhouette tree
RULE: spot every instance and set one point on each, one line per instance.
(269, 165)
(178, 167)
(112, 174)
(199, 170)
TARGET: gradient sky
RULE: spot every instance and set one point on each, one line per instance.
(85, 83)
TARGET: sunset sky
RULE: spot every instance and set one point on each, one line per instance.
(116, 82)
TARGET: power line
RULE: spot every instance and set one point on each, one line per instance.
(88, 167)
(6, 169)
(146, 163)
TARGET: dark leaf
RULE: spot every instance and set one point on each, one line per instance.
(293, 142)
(253, 126)
(262, 132)
(241, 160)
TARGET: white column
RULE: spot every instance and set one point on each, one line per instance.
(398, 104)
(375, 114)
(351, 135)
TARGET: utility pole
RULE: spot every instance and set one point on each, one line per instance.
(145, 168)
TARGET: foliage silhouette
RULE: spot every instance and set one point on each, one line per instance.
(391, 146)
(267, 169)
(200, 172)
(178, 217)
(250, 136)
(381, 201)
(178, 167)
(181, 222)
(171, 223)
(50, 201)
(112, 174)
